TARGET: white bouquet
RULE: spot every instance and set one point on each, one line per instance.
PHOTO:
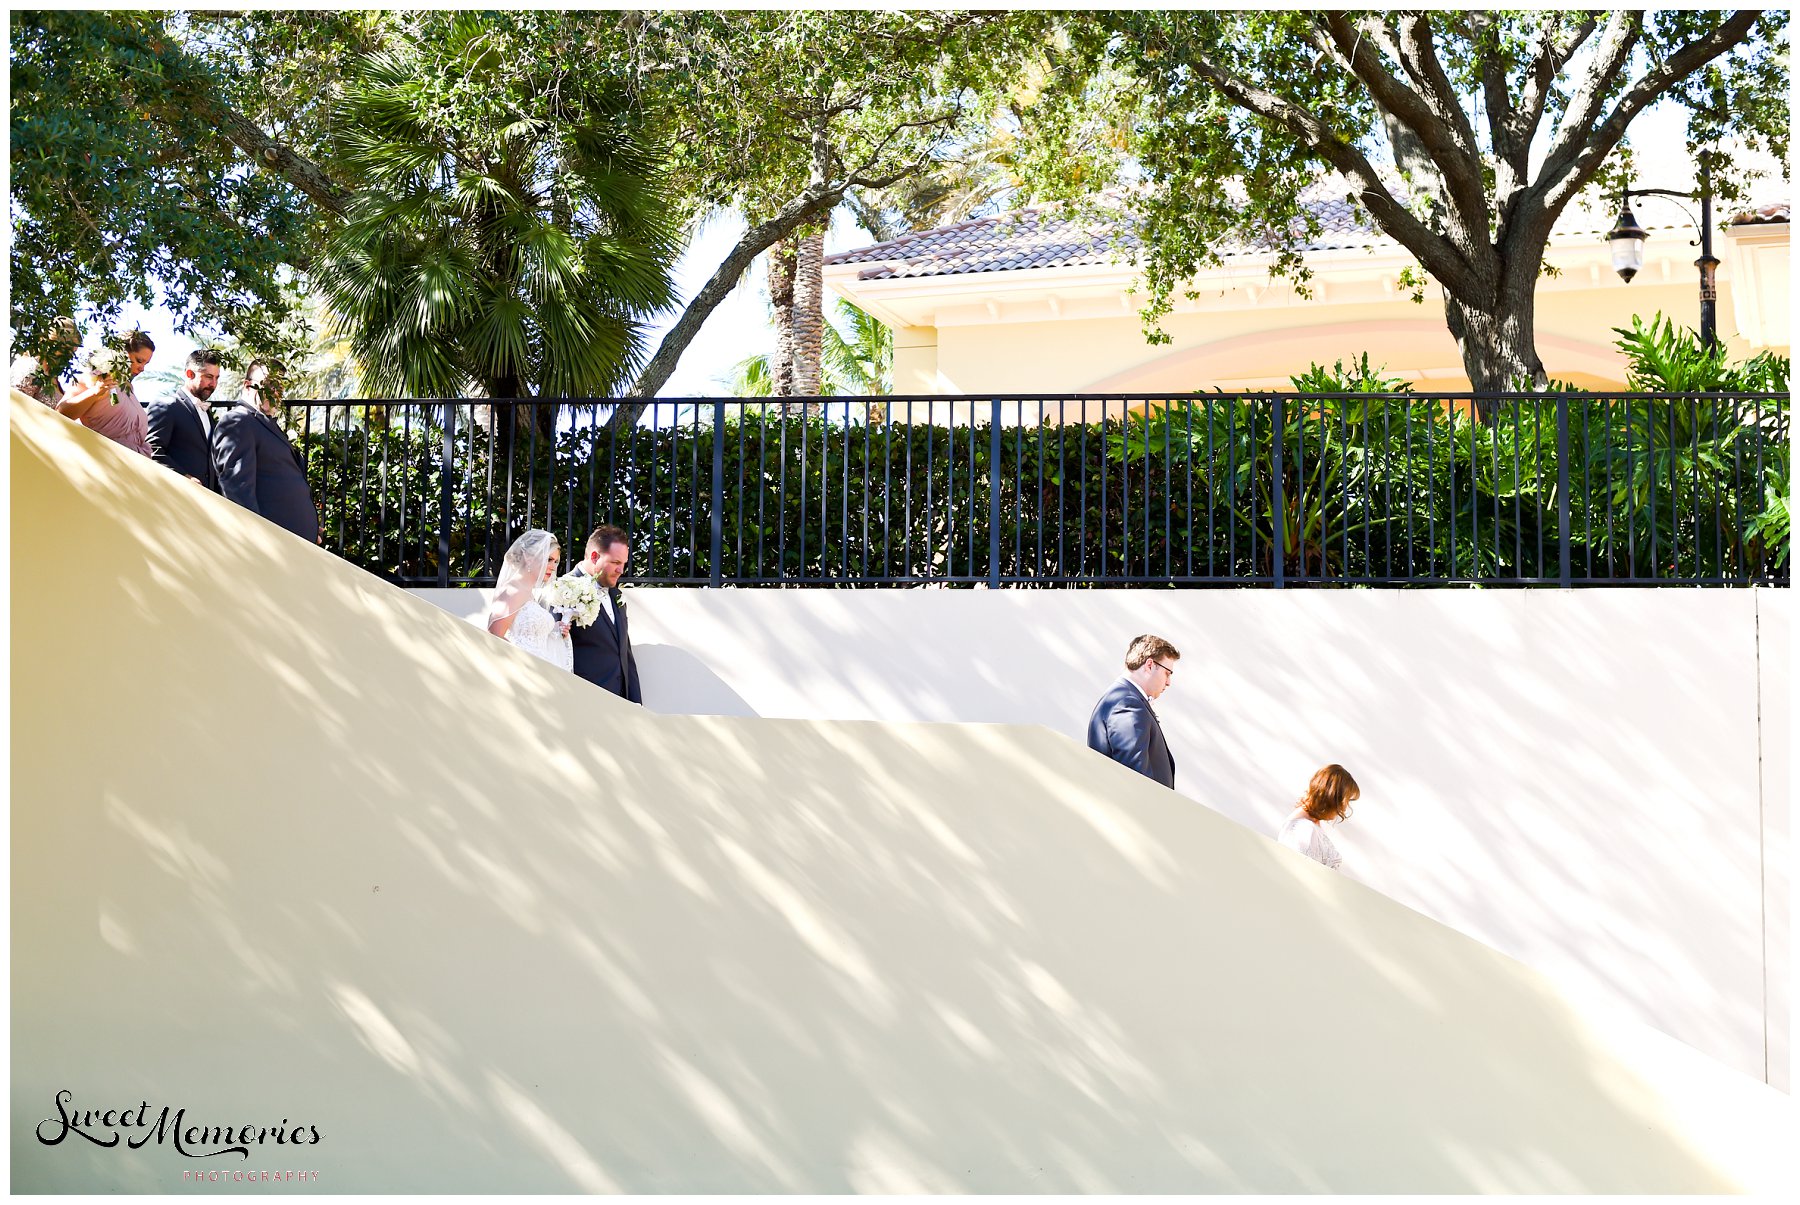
(109, 364)
(575, 597)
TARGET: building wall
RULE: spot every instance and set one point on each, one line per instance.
(1577, 778)
(915, 360)
(1282, 335)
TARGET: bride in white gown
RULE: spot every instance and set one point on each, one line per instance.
(514, 615)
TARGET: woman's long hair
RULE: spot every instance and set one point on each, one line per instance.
(1329, 795)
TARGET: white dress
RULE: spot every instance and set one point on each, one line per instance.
(1302, 833)
(536, 631)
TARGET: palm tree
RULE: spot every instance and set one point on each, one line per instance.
(797, 293)
(521, 254)
(807, 316)
(858, 363)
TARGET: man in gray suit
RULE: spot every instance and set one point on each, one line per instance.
(1123, 726)
(258, 468)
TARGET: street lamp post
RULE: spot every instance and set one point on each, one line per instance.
(1628, 249)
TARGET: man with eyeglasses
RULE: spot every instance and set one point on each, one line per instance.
(1123, 726)
(603, 648)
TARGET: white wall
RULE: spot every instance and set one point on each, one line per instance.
(290, 844)
(1572, 777)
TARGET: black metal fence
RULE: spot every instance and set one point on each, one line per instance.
(1271, 489)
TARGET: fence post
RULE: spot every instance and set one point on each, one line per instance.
(1278, 550)
(1562, 481)
(718, 494)
(994, 498)
(446, 493)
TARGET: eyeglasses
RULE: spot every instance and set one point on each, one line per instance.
(1165, 669)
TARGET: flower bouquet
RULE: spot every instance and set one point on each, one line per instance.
(109, 364)
(575, 598)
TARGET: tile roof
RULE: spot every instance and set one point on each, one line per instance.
(1762, 214)
(1051, 236)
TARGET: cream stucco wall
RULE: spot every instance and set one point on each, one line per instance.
(288, 843)
(915, 360)
(1579, 779)
(1262, 347)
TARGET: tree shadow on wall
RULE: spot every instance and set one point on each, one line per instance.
(504, 932)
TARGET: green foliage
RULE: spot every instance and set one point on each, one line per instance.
(859, 361)
(1222, 125)
(520, 179)
(752, 98)
(1667, 358)
(1358, 378)
(859, 358)
(513, 231)
(122, 189)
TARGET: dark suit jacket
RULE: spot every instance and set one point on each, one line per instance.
(603, 651)
(179, 439)
(1125, 729)
(258, 469)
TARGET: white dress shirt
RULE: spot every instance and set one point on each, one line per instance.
(200, 408)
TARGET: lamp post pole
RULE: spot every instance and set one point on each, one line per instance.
(1708, 265)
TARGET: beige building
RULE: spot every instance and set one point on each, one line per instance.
(1034, 302)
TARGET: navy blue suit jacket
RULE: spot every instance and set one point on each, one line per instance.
(260, 470)
(603, 651)
(179, 439)
(1125, 729)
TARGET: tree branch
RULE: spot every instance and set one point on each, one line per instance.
(1564, 175)
(267, 153)
(1615, 51)
(856, 174)
(1436, 253)
(1454, 161)
(811, 202)
(1554, 56)
(1418, 54)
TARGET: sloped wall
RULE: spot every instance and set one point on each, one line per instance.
(291, 848)
(1594, 782)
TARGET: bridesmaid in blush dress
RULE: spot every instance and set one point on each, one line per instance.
(108, 406)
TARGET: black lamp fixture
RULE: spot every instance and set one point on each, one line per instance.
(1628, 237)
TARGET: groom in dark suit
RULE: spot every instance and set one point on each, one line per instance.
(603, 648)
(1123, 726)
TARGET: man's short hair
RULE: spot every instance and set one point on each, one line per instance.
(1149, 648)
(605, 536)
(138, 341)
(274, 367)
(204, 357)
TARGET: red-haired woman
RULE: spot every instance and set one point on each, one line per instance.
(1328, 797)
